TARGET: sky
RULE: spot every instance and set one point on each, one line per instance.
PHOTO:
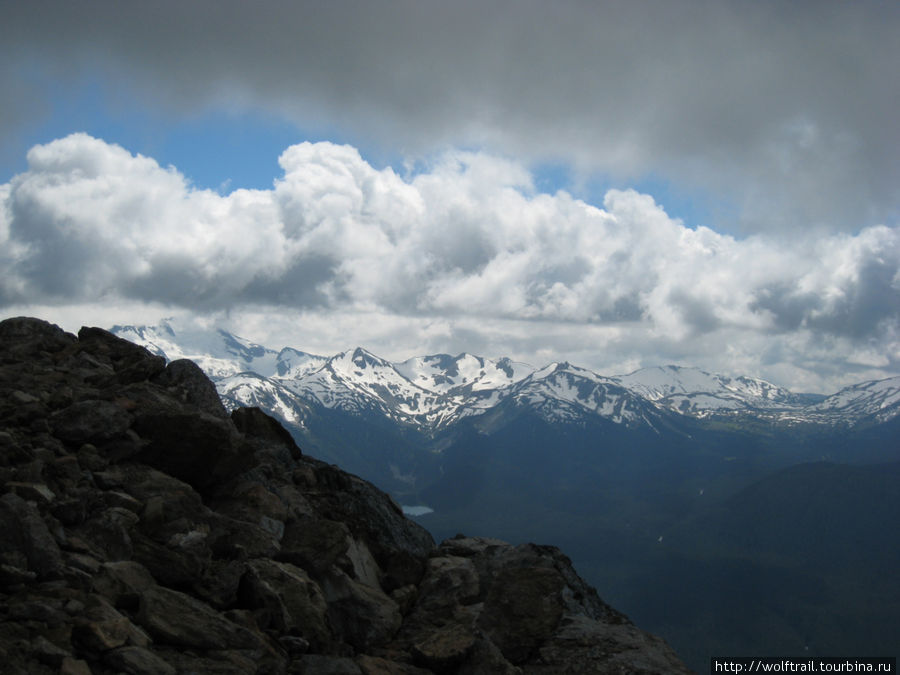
(615, 184)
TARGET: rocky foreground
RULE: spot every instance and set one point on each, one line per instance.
(143, 530)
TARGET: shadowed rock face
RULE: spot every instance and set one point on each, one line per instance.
(142, 530)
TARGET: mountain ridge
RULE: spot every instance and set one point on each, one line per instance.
(435, 391)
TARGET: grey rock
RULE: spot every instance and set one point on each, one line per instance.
(21, 398)
(218, 586)
(315, 543)
(47, 652)
(131, 362)
(116, 499)
(90, 421)
(196, 447)
(110, 532)
(43, 610)
(83, 562)
(137, 661)
(360, 615)
(231, 538)
(582, 645)
(10, 575)
(65, 470)
(176, 618)
(122, 582)
(376, 665)
(25, 538)
(292, 603)
(294, 645)
(371, 515)
(186, 381)
(24, 338)
(102, 628)
(272, 526)
(215, 662)
(255, 423)
(446, 648)
(34, 492)
(523, 609)
(169, 565)
(73, 666)
(316, 664)
(449, 581)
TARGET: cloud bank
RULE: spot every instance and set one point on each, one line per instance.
(783, 112)
(465, 254)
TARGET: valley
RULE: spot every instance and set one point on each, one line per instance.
(726, 514)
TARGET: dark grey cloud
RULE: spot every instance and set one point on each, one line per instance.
(860, 305)
(785, 110)
(305, 283)
(869, 302)
(788, 306)
(699, 316)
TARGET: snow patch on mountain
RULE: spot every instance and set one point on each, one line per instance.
(217, 352)
(293, 364)
(580, 391)
(250, 389)
(441, 373)
(436, 391)
(691, 391)
(879, 399)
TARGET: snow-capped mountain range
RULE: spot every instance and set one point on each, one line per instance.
(432, 392)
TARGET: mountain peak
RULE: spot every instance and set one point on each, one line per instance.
(360, 357)
(241, 347)
(877, 399)
(436, 390)
(690, 390)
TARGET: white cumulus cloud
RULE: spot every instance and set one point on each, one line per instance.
(464, 251)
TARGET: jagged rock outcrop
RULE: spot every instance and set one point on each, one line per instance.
(143, 530)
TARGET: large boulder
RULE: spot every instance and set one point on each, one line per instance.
(27, 542)
(24, 338)
(255, 423)
(130, 362)
(286, 600)
(486, 606)
(176, 618)
(184, 379)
